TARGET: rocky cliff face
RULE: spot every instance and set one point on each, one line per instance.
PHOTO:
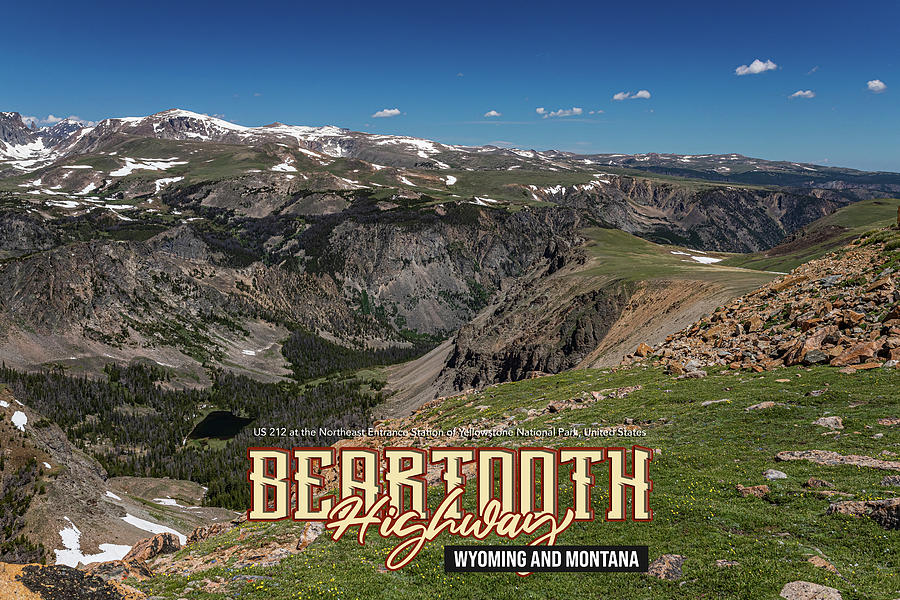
(721, 218)
(436, 274)
(23, 233)
(13, 131)
(545, 322)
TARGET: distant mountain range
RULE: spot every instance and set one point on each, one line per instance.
(23, 150)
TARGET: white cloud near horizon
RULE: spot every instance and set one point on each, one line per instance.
(803, 94)
(540, 110)
(564, 112)
(638, 95)
(756, 67)
(386, 112)
(493, 113)
(876, 85)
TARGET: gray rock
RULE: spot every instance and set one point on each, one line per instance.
(774, 474)
(667, 566)
(814, 357)
(804, 590)
(711, 402)
(829, 422)
(891, 480)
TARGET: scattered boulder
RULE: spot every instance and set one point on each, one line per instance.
(831, 459)
(891, 480)
(814, 357)
(722, 563)
(856, 353)
(884, 512)
(711, 402)
(667, 566)
(117, 570)
(818, 561)
(698, 374)
(643, 350)
(754, 490)
(312, 531)
(763, 405)
(774, 474)
(207, 531)
(805, 590)
(149, 548)
(816, 483)
(889, 422)
(830, 422)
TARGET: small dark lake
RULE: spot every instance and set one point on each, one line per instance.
(219, 424)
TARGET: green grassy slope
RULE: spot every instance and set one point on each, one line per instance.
(703, 453)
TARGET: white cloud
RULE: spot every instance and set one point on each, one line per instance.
(876, 85)
(540, 110)
(386, 112)
(803, 94)
(757, 66)
(596, 112)
(638, 95)
(493, 113)
(565, 112)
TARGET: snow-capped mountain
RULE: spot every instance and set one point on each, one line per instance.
(25, 150)
(335, 142)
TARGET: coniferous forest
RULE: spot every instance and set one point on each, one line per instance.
(134, 422)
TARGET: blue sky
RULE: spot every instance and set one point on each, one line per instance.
(443, 66)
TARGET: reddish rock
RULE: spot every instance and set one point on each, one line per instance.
(118, 570)
(150, 548)
(207, 531)
(855, 354)
(814, 482)
(758, 491)
(818, 561)
(753, 324)
(643, 350)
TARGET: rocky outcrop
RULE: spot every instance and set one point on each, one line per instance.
(842, 309)
(149, 548)
(885, 512)
(828, 458)
(667, 566)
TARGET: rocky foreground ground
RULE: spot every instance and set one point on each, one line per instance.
(842, 310)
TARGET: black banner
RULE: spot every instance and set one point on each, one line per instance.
(535, 559)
